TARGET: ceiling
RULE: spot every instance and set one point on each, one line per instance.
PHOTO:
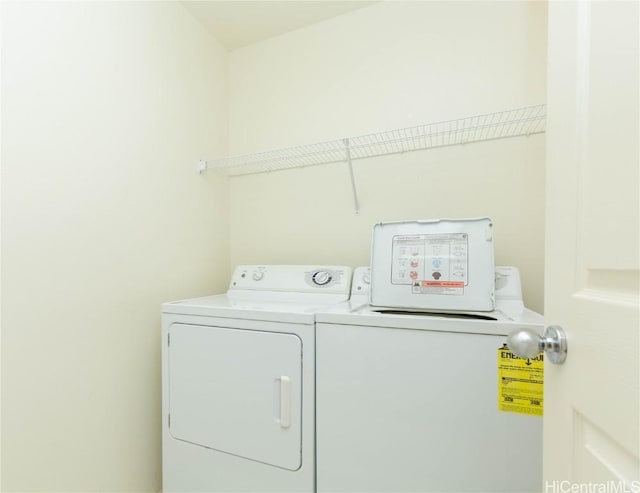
(242, 22)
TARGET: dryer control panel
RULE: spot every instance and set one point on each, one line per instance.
(334, 279)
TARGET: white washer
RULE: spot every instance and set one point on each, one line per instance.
(238, 381)
(409, 402)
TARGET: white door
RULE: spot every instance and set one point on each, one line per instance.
(591, 402)
(237, 391)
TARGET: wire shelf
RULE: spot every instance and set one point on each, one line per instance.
(526, 120)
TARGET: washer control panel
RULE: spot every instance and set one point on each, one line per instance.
(292, 278)
(361, 282)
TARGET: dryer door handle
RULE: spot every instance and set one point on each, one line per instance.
(285, 402)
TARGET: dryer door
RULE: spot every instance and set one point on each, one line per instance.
(237, 391)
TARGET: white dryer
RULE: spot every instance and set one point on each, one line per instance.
(409, 402)
(238, 375)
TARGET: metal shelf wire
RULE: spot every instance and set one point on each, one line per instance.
(526, 120)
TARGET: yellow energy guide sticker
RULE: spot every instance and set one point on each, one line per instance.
(520, 383)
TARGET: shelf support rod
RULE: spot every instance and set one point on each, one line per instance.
(353, 180)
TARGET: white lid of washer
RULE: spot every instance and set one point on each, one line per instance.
(437, 264)
(510, 312)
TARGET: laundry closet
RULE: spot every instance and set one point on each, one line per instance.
(107, 110)
(128, 133)
(387, 113)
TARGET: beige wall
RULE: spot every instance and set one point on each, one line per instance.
(106, 108)
(391, 65)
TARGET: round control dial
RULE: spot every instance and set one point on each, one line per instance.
(257, 275)
(322, 277)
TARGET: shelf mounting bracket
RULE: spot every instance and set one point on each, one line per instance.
(353, 180)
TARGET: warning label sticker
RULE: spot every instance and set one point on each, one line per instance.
(438, 287)
(520, 383)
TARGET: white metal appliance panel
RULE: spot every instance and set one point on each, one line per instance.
(237, 391)
(415, 410)
(298, 279)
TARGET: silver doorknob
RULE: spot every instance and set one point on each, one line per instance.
(526, 343)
